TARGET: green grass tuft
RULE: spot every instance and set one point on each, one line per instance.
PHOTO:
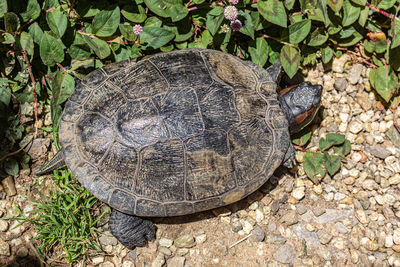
(65, 218)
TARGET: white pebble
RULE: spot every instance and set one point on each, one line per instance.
(298, 193)
(388, 241)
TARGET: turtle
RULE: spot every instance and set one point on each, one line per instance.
(178, 133)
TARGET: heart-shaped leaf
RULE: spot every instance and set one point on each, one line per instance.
(26, 42)
(32, 11)
(51, 50)
(63, 87)
(303, 139)
(11, 167)
(36, 32)
(259, 53)
(214, 19)
(106, 22)
(57, 22)
(326, 54)
(297, 32)
(344, 149)
(171, 8)
(5, 93)
(335, 5)
(273, 11)
(318, 37)
(350, 13)
(11, 22)
(331, 140)
(384, 80)
(3, 7)
(156, 37)
(314, 166)
(290, 59)
(134, 13)
(332, 163)
(100, 47)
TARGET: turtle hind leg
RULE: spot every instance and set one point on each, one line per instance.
(56, 162)
(130, 230)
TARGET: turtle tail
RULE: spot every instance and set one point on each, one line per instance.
(56, 162)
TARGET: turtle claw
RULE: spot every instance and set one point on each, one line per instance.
(130, 230)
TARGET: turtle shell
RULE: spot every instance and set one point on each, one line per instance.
(175, 133)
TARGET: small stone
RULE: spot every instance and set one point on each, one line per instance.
(388, 241)
(396, 236)
(22, 252)
(339, 243)
(379, 151)
(165, 242)
(370, 184)
(185, 241)
(285, 254)
(344, 116)
(253, 205)
(396, 248)
(165, 251)
(227, 219)
(301, 209)
(259, 215)
(275, 239)
(389, 199)
(176, 262)
(341, 228)
(107, 264)
(159, 261)
(340, 84)
(324, 237)
(236, 226)
(257, 234)
(395, 179)
(339, 196)
(271, 226)
(128, 264)
(338, 63)
(365, 203)
(9, 186)
(97, 260)
(200, 239)
(247, 226)
(108, 240)
(361, 216)
(182, 251)
(355, 73)
(355, 127)
(132, 254)
(318, 189)
(354, 256)
(394, 136)
(4, 248)
(371, 245)
(298, 193)
(290, 218)
(37, 148)
(348, 200)
(318, 211)
(3, 226)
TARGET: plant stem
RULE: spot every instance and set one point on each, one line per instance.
(390, 16)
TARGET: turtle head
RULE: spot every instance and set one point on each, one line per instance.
(300, 104)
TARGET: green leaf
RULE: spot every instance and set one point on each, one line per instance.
(297, 32)
(183, 30)
(352, 40)
(153, 22)
(63, 87)
(384, 4)
(3, 7)
(57, 22)
(26, 42)
(106, 22)
(289, 4)
(214, 19)
(36, 32)
(394, 54)
(359, 2)
(331, 140)
(259, 53)
(335, 5)
(134, 13)
(51, 50)
(326, 54)
(6, 38)
(318, 37)
(32, 11)
(362, 19)
(313, 166)
(350, 13)
(378, 46)
(273, 11)
(127, 32)
(384, 80)
(11, 22)
(343, 149)
(171, 8)
(100, 47)
(303, 139)
(204, 41)
(290, 59)
(332, 163)
(248, 26)
(11, 167)
(5, 93)
(395, 33)
(156, 37)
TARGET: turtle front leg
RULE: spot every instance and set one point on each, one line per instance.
(130, 230)
(290, 157)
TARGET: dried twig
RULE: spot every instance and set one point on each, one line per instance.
(240, 241)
